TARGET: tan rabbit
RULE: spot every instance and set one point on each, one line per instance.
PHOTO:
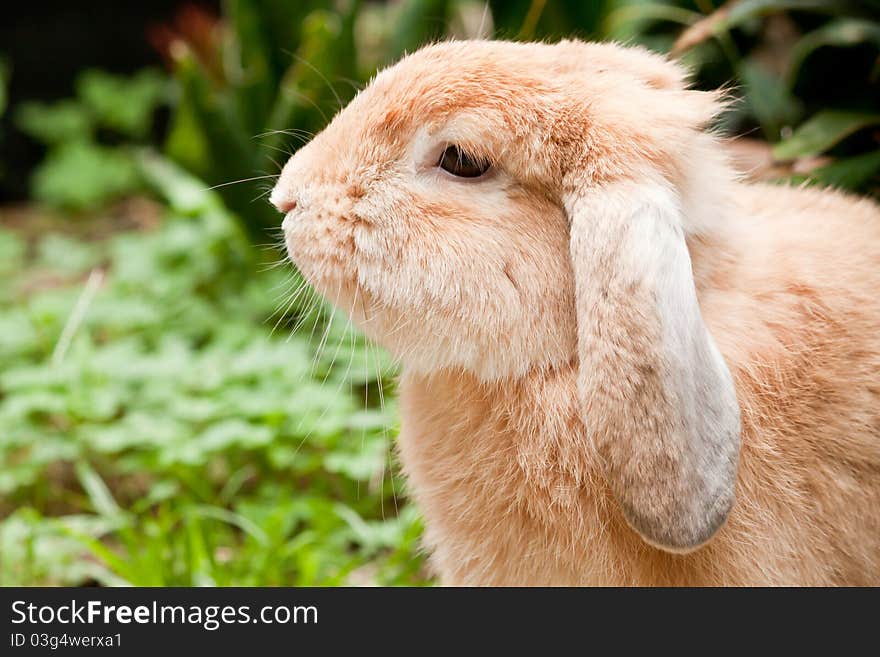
(621, 365)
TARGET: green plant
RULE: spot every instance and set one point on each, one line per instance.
(89, 137)
(154, 429)
(265, 71)
(807, 74)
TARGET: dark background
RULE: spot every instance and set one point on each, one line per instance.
(49, 42)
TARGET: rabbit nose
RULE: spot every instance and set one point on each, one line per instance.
(286, 205)
(282, 202)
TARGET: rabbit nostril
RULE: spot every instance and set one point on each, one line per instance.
(283, 202)
(286, 205)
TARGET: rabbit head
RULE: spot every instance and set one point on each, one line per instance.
(500, 208)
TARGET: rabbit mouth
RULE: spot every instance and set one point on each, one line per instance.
(327, 272)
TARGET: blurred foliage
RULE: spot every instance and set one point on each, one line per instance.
(170, 438)
(807, 74)
(264, 73)
(89, 160)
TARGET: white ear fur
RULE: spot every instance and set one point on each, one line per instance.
(656, 396)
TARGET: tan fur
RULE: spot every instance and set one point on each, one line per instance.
(471, 285)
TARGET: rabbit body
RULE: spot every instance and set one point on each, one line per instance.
(621, 365)
(513, 494)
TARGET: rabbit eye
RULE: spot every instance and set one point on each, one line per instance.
(458, 163)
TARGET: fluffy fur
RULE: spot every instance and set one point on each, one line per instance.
(621, 365)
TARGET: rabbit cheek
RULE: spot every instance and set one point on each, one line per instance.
(320, 242)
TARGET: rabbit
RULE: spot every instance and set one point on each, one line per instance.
(621, 364)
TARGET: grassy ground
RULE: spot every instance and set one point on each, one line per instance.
(154, 429)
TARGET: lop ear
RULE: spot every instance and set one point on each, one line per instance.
(656, 396)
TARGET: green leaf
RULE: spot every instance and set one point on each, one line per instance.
(184, 192)
(230, 517)
(255, 75)
(745, 10)
(629, 20)
(222, 146)
(360, 465)
(83, 175)
(64, 254)
(418, 22)
(199, 560)
(35, 549)
(768, 99)
(849, 173)
(822, 131)
(62, 122)
(374, 535)
(305, 83)
(120, 567)
(742, 13)
(12, 251)
(842, 32)
(187, 141)
(99, 495)
(122, 103)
